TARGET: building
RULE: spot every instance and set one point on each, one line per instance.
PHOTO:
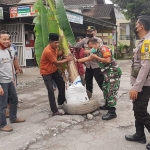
(123, 28)
(99, 10)
(21, 26)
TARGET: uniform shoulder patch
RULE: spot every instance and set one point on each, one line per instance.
(145, 50)
(105, 51)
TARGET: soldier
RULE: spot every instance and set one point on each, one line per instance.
(140, 80)
(92, 68)
(112, 74)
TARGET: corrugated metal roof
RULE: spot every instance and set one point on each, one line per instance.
(9, 2)
(100, 11)
(27, 1)
(78, 2)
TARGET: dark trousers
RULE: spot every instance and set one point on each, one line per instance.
(61, 88)
(97, 74)
(142, 117)
(9, 91)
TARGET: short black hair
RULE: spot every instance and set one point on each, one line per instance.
(93, 40)
(145, 21)
(9, 35)
(3, 32)
(79, 37)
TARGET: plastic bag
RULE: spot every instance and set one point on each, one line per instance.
(76, 93)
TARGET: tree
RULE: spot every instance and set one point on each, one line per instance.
(132, 9)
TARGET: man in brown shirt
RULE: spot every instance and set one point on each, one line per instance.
(140, 80)
(49, 71)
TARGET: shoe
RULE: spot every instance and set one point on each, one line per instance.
(57, 114)
(111, 114)
(148, 146)
(18, 120)
(6, 129)
(104, 107)
(136, 138)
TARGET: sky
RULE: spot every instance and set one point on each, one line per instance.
(108, 2)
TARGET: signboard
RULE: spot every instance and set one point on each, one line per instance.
(21, 11)
(75, 18)
(1, 13)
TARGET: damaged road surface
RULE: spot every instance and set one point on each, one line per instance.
(41, 131)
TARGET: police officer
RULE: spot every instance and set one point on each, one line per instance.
(92, 68)
(140, 80)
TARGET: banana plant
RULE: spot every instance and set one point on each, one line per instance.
(41, 28)
(53, 19)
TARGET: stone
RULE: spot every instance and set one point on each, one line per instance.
(54, 134)
(96, 113)
(90, 116)
(53, 129)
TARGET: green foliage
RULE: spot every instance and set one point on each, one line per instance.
(52, 19)
(120, 47)
(133, 8)
(41, 28)
(63, 22)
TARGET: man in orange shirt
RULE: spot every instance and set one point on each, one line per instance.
(49, 71)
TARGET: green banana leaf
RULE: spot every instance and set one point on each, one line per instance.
(63, 40)
(63, 21)
(41, 28)
(53, 26)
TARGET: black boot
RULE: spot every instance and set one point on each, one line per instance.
(139, 136)
(111, 114)
(148, 146)
(104, 107)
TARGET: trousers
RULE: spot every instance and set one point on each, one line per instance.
(142, 117)
(61, 88)
(97, 74)
(9, 91)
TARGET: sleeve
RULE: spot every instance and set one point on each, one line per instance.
(79, 44)
(142, 76)
(51, 57)
(105, 51)
(100, 40)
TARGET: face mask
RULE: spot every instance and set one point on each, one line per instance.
(90, 35)
(135, 31)
(3, 47)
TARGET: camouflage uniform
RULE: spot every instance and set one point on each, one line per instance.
(112, 74)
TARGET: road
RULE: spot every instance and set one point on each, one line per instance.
(41, 131)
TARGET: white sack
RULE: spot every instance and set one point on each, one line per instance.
(76, 93)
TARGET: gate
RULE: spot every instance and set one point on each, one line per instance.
(18, 38)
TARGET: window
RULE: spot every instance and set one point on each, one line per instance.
(124, 31)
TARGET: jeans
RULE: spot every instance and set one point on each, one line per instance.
(61, 88)
(9, 91)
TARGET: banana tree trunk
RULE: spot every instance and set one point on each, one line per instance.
(72, 70)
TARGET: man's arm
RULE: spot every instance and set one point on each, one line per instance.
(1, 91)
(79, 44)
(17, 67)
(143, 74)
(54, 60)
